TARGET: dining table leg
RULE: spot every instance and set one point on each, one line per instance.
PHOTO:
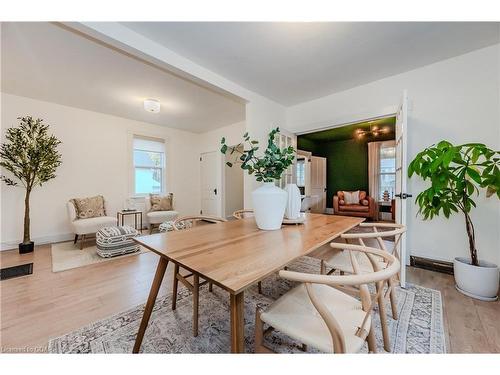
(155, 287)
(237, 323)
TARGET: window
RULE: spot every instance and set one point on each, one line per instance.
(387, 172)
(282, 140)
(301, 178)
(149, 165)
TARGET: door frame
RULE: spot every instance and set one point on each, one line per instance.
(323, 192)
(223, 167)
(353, 118)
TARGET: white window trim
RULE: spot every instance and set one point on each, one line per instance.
(167, 183)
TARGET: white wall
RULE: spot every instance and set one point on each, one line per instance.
(455, 99)
(262, 115)
(233, 186)
(96, 157)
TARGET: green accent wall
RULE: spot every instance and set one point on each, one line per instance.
(346, 166)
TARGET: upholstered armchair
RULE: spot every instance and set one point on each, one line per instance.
(366, 207)
(157, 217)
(84, 227)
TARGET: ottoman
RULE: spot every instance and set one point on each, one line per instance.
(168, 226)
(116, 240)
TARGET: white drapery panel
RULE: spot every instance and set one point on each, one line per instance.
(374, 169)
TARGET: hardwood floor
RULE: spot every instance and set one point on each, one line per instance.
(43, 305)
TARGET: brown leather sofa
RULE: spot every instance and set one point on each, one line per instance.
(367, 207)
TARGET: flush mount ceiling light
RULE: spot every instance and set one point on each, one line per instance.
(152, 105)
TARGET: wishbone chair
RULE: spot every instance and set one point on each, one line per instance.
(340, 261)
(241, 214)
(182, 223)
(321, 313)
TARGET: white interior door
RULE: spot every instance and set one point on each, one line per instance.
(318, 184)
(401, 179)
(210, 189)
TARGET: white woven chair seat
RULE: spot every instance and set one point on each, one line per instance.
(295, 315)
(341, 260)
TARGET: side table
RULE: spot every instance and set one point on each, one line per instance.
(121, 215)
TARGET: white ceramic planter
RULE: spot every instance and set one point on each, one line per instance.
(292, 210)
(269, 203)
(477, 282)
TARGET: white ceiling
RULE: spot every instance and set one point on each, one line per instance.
(47, 62)
(296, 62)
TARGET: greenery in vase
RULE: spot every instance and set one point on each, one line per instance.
(30, 155)
(266, 168)
(456, 173)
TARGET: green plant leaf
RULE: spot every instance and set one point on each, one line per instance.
(474, 175)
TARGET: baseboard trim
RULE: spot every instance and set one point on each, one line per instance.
(432, 264)
(12, 245)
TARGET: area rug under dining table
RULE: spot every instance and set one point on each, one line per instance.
(419, 328)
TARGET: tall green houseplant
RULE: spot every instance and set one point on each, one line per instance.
(30, 155)
(456, 174)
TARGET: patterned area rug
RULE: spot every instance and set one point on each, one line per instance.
(419, 328)
(66, 255)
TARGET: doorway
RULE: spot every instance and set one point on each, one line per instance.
(210, 184)
(400, 196)
(357, 157)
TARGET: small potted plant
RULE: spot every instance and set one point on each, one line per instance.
(456, 173)
(30, 155)
(269, 201)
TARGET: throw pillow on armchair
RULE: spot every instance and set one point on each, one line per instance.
(355, 203)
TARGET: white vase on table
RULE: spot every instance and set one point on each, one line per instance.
(269, 203)
(292, 210)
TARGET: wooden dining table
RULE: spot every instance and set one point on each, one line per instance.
(235, 255)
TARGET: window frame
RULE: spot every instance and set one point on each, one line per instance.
(132, 167)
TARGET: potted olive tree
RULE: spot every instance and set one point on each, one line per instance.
(269, 201)
(456, 174)
(30, 155)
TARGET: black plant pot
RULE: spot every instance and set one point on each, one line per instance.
(27, 247)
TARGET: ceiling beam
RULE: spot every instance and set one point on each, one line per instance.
(121, 37)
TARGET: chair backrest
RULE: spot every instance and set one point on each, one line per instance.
(357, 279)
(394, 230)
(185, 222)
(71, 210)
(147, 201)
(241, 214)
(362, 194)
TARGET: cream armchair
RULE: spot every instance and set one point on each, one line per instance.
(83, 227)
(155, 218)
